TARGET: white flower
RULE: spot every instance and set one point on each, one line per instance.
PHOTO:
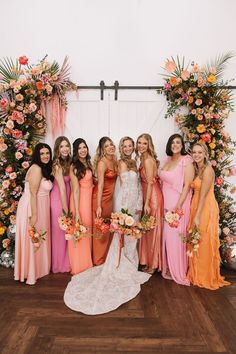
(67, 237)
(129, 221)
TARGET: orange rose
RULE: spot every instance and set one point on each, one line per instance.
(173, 81)
(29, 151)
(212, 145)
(190, 100)
(211, 79)
(39, 85)
(201, 128)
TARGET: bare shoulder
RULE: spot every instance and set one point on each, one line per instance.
(149, 162)
(208, 172)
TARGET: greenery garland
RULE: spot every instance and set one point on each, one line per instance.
(200, 101)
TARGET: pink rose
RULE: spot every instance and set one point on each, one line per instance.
(170, 66)
(15, 115)
(18, 155)
(3, 147)
(17, 134)
(198, 102)
(25, 164)
(3, 103)
(185, 75)
(6, 184)
(219, 181)
(213, 162)
(32, 107)
(13, 175)
(9, 169)
(10, 124)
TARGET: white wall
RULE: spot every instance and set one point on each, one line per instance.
(124, 40)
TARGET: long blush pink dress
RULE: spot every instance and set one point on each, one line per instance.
(80, 253)
(30, 264)
(60, 258)
(175, 260)
(150, 252)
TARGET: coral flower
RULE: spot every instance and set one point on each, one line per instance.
(173, 81)
(201, 128)
(23, 60)
(185, 75)
(212, 145)
(170, 66)
(219, 181)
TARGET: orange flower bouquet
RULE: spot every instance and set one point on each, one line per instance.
(36, 237)
(102, 227)
(173, 217)
(66, 224)
(192, 239)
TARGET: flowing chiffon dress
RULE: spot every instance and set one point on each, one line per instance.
(31, 265)
(174, 255)
(150, 245)
(60, 258)
(105, 287)
(101, 244)
(80, 253)
(204, 265)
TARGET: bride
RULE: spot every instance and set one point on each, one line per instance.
(104, 288)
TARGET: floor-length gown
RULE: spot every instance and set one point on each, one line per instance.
(204, 265)
(80, 253)
(60, 258)
(101, 244)
(174, 256)
(30, 264)
(150, 246)
(105, 287)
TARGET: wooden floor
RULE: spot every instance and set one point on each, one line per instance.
(163, 318)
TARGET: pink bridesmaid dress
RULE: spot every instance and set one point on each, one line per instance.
(150, 244)
(80, 254)
(175, 260)
(60, 258)
(30, 264)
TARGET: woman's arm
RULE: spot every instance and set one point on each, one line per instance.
(101, 169)
(75, 191)
(188, 178)
(150, 174)
(62, 188)
(207, 180)
(34, 179)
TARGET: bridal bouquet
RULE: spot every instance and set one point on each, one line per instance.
(122, 222)
(173, 217)
(192, 239)
(36, 237)
(66, 224)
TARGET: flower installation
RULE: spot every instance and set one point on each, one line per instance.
(201, 101)
(25, 90)
(36, 237)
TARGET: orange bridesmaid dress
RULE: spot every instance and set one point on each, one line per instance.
(101, 244)
(80, 254)
(204, 265)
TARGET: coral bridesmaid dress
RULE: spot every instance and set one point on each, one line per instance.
(204, 265)
(101, 245)
(60, 258)
(30, 264)
(150, 252)
(80, 253)
(175, 259)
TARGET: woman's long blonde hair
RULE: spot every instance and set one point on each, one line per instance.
(58, 160)
(100, 151)
(131, 164)
(206, 158)
(151, 149)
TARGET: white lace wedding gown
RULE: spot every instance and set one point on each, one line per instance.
(104, 288)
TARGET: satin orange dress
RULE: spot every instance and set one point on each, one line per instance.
(101, 244)
(204, 265)
(80, 253)
(150, 245)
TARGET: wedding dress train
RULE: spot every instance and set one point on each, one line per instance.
(104, 288)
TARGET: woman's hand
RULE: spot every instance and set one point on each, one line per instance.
(196, 220)
(77, 218)
(99, 212)
(32, 220)
(147, 209)
(138, 212)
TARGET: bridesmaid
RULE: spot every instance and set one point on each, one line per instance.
(176, 176)
(105, 167)
(204, 265)
(60, 195)
(34, 210)
(150, 244)
(81, 205)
